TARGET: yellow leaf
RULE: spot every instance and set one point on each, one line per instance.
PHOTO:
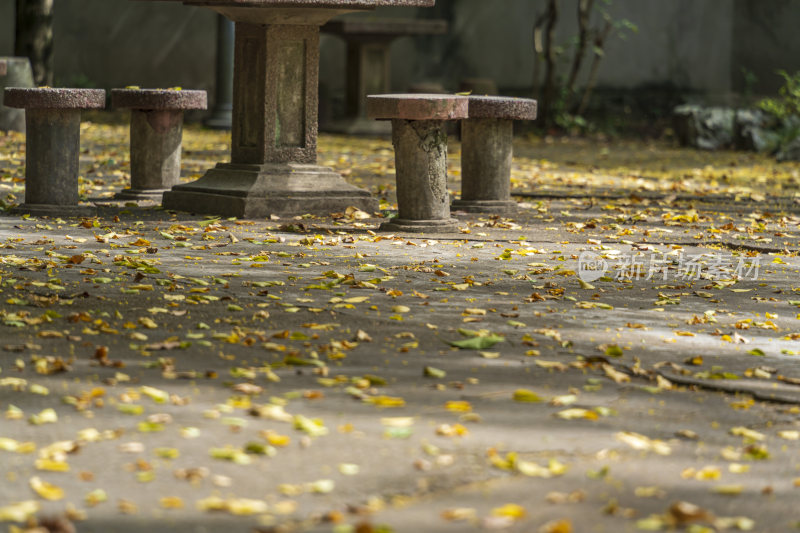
(741, 431)
(46, 490)
(458, 406)
(641, 442)
(510, 510)
(728, 490)
(576, 412)
(51, 465)
(557, 526)
(171, 502)
(19, 512)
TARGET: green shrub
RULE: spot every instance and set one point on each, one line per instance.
(788, 101)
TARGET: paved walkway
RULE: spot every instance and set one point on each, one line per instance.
(180, 373)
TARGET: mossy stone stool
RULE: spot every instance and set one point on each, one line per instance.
(156, 137)
(52, 146)
(487, 138)
(420, 148)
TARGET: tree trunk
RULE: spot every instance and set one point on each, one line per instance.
(34, 37)
(549, 89)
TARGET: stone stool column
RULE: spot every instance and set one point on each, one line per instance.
(156, 137)
(420, 146)
(52, 147)
(487, 150)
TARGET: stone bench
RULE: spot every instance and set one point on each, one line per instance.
(156, 137)
(52, 146)
(486, 152)
(420, 146)
(368, 67)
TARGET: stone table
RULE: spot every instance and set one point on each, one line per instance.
(368, 68)
(273, 168)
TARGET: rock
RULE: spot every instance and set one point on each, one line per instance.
(709, 128)
(756, 130)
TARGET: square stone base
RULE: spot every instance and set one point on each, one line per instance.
(53, 211)
(493, 207)
(258, 191)
(141, 195)
(421, 226)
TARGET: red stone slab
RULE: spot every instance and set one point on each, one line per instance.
(49, 98)
(502, 108)
(417, 107)
(158, 99)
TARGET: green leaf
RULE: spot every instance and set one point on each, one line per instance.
(525, 395)
(477, 343)
(431, 372)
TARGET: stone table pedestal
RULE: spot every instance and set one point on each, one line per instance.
(273, 166)
(368, 64)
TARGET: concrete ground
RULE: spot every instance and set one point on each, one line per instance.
(174, 372)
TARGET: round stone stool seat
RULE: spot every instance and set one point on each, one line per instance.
(420, 148)
(502, 108)
(158, 99)
(50, 98)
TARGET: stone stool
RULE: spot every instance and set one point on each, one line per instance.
(486, 152)
(156, 137)
(420, 147)
(52, 146)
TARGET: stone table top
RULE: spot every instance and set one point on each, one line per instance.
(417, 106)
(502, 107)
(158, 99)
(49, 98)
(385, 27)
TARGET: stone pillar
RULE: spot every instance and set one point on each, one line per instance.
(222, 114)
(420, 149)
(52, 148)
(367, 73)
(275, 90)
(486, 156)
(156, 138)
